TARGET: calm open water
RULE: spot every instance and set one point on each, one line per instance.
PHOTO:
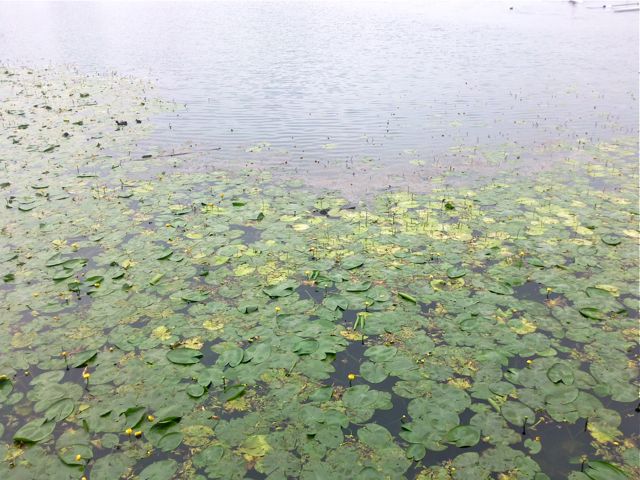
(332, 83)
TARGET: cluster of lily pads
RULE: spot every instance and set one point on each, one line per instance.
(209, 325)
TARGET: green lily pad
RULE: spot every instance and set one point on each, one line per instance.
(6, 387)
(500, 288)
(600, 470)
(463, 436)
(456, 272)
(255, 446)
(170, 441)
(34, 431)
(83, 358)
(247, 307)
(517, 413)
(161, 470)
(231, 357)
(354, 261)
(232, 392)
(194, 297)
(592, 313)
(306, 347)
(184, 356)
(373, 372)
(560, 372)
(358, 286)
(611, 239)
(59, 410)
(69, 454)
(283, 289)
(409, 298)
(195, 390)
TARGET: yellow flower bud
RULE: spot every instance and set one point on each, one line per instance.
(351, 377)
(78, 457)
(151, 418)
(278, 309)
(138, 434)
(128, 431)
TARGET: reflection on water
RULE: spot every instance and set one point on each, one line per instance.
(334, 89)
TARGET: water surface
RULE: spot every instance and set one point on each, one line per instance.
(332, 88)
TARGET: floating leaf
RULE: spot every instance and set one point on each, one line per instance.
(6, 387)
(184, 356)
(358, 286)
(500, 288)
(592, 313)
(373, 372)
(407, 297)
(463, 436)
(232, 392)
(456, 272)
(59, 410)
(517, 413)
(69, 454)
(247, 307)
(306, 347)
(194, 297)
(599, 470)
(170, 441)
(255, 446)
(34, 431)
(283, 289)
(231, 357)
(354, 261)
(560, 372)
(611, 239)
(195, 390)
(83, 358)
(161, 470)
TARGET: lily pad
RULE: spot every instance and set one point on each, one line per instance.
(600, 470)
(34, 431)
(456, 272)
(184, 356)
(517, 413)
(593, 313)
(560, 372)
(463, 436)
(611, 239)
(283, 289)
(195, 390)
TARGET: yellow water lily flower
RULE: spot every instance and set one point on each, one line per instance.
(128, 431)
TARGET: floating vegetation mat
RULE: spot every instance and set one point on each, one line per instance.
(208, 325)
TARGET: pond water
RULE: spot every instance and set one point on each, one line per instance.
(330, 89)
(169, 313)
